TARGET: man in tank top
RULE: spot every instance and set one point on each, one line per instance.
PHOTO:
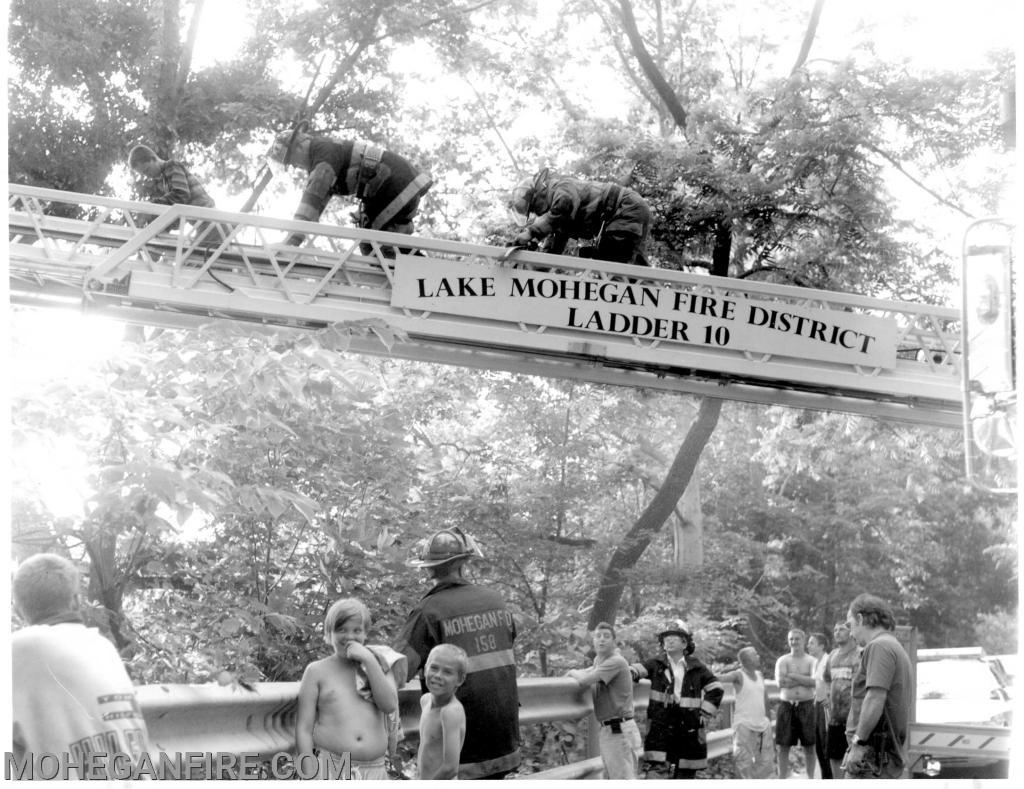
(752, 748)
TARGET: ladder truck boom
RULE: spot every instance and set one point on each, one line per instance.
(477, 306)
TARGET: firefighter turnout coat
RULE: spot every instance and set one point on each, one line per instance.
(677, 731)
(474, 618)
(388, 187)
(572, 208)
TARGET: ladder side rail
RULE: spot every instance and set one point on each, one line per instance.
(568, 366)
(162, 223)
(905, 381)
(724, 285)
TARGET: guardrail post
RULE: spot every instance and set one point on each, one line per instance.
(593, 746)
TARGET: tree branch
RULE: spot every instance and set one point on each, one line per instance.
(899, 168)
(649, 67)
(812, 29)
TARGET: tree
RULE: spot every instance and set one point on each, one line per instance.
(787, 186)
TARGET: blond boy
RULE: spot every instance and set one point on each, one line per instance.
(442, 718)
(345, 700)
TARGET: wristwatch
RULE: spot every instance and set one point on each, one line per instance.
(859, 741)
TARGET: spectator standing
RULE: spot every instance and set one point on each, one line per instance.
(882, 691)
(612, 688)
(753, 752)
(70, 691)
(475, 618)
(442, 718)
(839, 670)
(817, 647)
(346, 701)
(685, 696)
(794, 723)
(618, 217)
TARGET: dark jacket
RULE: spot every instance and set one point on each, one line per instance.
(584, 209)
(388, 186)
(474, 618)
(678, 725)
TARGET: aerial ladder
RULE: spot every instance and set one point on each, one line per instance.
(487, 307)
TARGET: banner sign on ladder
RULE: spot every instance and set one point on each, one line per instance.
(644, 311)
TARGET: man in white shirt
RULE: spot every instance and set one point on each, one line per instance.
(71, 693)
(753, 753)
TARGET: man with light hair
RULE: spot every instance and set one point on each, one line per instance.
(794, 723)
(71, 693)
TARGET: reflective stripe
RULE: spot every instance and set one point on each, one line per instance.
(489, 660)
(690, 703)
(414, 189)
(657, 695)
(708, 707)
(716, 685)
(692, 764)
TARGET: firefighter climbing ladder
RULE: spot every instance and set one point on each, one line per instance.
(480, 306)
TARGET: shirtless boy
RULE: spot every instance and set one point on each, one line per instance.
(794, 722)
(333, 716)
(442, 718)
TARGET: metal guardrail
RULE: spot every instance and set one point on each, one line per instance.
(212, 718)
(222, 719)
(200, 718)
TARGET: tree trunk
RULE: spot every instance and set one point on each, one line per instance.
(657, 513)
(660, 509)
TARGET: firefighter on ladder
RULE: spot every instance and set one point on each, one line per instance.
(387, 186)
(565, 208)
(685, 696)
(169, 182)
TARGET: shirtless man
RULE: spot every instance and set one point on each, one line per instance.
(442, 718)
(794, 723)
(344, 699)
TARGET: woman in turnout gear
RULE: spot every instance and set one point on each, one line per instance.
(685, 696)
(387, 186)
(618, 217)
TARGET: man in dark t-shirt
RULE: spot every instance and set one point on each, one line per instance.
(883, 688)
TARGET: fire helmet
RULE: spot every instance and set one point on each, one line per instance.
(530, 196)
(678, 628)
(285, 143)
(445, 546)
